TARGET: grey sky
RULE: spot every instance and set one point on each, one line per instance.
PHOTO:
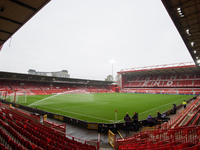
(82, 36)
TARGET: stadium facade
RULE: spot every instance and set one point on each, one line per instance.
(180, 78)
(60, 74)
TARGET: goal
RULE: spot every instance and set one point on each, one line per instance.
(18, 97)
(3, 95)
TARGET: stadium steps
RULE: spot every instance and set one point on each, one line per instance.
(180, 118)
(9, 87)
(190, 117)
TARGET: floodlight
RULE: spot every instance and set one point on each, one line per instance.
(112, 61)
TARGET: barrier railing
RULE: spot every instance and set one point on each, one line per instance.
(61, 128)
(149, 128)
(95, 143)
(34, 118)
(112, 139)
(162, 136)
(174, 121)
(53, 125)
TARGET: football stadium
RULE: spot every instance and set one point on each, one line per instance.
(150, 107)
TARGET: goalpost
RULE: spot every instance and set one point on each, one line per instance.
(18, 97)
(3, 95)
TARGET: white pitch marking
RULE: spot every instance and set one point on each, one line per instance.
(86, 105)
(78, 114)
(156, 108)
(161, 106)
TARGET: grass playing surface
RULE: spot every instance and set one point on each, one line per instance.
(100, 107)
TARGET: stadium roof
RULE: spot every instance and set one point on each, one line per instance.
(38, 78)
(186, 17)
(178, 68)
(15, 13)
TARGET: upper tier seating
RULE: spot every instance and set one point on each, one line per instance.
(164, 81)
(170, 84)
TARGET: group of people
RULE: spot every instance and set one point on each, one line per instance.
(150, 121)
(184, 106)
(129, 122)
(133, 122)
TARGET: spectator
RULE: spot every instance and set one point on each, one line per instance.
(159, 118)
(150, 121)
(135, 121)
(184, 104)
(174, 108)
(127, 120)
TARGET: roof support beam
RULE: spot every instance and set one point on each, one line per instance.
(191, 17)
(5, 32)
(13, 21)
(185, 4)
(23, 5)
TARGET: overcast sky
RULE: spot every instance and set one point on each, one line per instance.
(82, 36)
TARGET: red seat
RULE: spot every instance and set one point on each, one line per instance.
(33, 146)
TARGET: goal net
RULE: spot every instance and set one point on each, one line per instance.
(18, 97)
(3, 95)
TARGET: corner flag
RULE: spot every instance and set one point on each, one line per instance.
(115, 115)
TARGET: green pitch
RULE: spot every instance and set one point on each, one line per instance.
(100, 107)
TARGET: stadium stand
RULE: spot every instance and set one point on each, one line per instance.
(21, 132)
(45, 88)
(5, 87)
(169, 84)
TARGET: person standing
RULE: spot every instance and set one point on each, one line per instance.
(127, 120)
(159, 117)
(184, 104)
(174, 108)
(150, 121)
(135, 121)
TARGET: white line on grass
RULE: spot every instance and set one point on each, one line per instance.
(161, 106)
(157, 107)
(78, 114)
(100, 103)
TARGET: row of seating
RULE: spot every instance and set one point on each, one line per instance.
(39, 88)
(12, 144)
(163, 83)
(166, 77)
(37, 136)
(15, 116)
(166, 139)
(191, 91)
